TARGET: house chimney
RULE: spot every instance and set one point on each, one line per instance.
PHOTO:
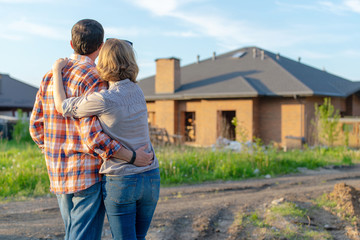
(277, 56)
(299, 59)
(198, 59)
(262, 55)
(167, 78)
(254, 52)
(214, 56)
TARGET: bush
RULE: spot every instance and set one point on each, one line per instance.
(21, 128)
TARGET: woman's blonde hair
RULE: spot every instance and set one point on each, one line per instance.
(117, 61)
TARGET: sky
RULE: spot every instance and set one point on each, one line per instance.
(324, 33)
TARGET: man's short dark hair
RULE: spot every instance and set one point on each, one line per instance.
(87, 35)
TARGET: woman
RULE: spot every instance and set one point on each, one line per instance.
(130, 193)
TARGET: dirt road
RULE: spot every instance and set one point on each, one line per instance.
(204, 211)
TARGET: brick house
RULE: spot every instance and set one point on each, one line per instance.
(271, 96)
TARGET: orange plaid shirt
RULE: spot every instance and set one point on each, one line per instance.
(73, 148)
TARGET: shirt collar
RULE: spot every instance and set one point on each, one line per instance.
(119, 83)
(82, 58)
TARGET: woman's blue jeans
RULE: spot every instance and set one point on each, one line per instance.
(130, 203)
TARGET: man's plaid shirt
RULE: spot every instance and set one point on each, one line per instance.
(73, 148)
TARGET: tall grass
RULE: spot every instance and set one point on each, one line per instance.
(23, 170)
(193, 165)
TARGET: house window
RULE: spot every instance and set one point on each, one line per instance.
(225, 128)
(151, 118)
(190, 129)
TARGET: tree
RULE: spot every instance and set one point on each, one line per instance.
(326, 123)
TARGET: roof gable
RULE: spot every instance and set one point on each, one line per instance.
(250, 72)
(14, 93)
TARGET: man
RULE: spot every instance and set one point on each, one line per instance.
(74, 148)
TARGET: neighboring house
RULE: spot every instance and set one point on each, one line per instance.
(271, 96)
(14, 95)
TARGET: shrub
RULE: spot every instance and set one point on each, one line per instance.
(21, 128)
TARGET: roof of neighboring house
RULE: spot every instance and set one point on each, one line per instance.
(16, 94)
(239, 74)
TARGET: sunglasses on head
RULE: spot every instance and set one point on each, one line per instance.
(127, 41)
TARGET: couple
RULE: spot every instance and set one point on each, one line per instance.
(102, 163)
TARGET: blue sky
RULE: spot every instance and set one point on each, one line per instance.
(324, 33)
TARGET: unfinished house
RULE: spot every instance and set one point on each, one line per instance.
(272, 97)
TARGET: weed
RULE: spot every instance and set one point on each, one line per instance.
(317, 235)
(288, 209)
(324, 201)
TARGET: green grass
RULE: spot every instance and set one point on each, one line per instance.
(23, 171)
(324, 201)
(288, 209)
(292, 212)
(194, 165)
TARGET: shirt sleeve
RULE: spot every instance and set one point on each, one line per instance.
(84, 106)
(91, 130)
(36, 125)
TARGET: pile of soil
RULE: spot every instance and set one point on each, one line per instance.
(348, 207)
(348, 200)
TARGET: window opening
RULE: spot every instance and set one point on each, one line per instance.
(227, 129)
(190, 130)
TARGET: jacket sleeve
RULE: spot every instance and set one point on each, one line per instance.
(84, 106)
(91, 130)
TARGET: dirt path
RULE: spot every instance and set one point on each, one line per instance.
(204, 211)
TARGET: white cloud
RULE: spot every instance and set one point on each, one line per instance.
(351, 53)
(353, 5)
(231, 33)
(121, 32)
(338, 9)
(181, 34)
(287, 5)
(235, 34)
(22, 27)
(314, 55)
(325, 6)
(12, 37)
(160, 7)
(24, 1)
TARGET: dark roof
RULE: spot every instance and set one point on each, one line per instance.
(14, 93)
(239, 74)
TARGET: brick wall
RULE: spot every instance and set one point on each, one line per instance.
(167, 78)
(170, 115)
(280, 117)
(166, 115)
(271, 119)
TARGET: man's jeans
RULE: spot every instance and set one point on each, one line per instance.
(83, 213)
(130, 203)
